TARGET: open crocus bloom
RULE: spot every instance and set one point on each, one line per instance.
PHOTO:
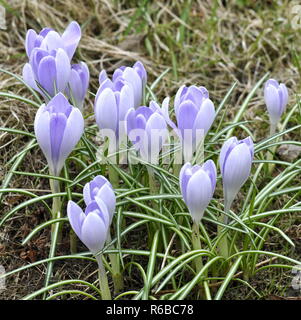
(58, 127)
(91, 226)
(100, 188)
(49, 40)
(235, 162)
(197, 185)
(276, 98)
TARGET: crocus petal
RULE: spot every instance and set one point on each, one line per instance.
(93, 232)
(28, 76)
(225, 151)
(236, 171)
(210, 168)
(71, 38)
(53, 41)
(271, 98)
(199, 194)
(75, 216)
(185, 175)
(107, 195)
(205, 116)
(72, 134)
(63, 69)
(186, 116)
(132, 77)
(106, 110)
(47, 74)
(31, 36)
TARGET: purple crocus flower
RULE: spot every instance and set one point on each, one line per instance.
(112, 102)
(91, 226)
(135, 77)
(100, 188)
(78, 83)
(276, 98)
(235, 162)
(147, 129)
(195, 114)
(58, 127)
(197, 185)
(50, 70)
(49, 40)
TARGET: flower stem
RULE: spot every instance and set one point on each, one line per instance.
(271, 152)
(116, 274)
(223, 243)
(56, 207)
(103, 280)
(196, 243)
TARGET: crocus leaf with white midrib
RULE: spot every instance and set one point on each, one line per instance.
(58, 128)
(147, 129)
(195, 114)
(197, 185)
(235, 162)
(276, 98)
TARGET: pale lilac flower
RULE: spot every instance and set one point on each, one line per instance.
(235, 162)
(50, 71)
(276, 98)
(195, 114)
(197, 185)
(58, 127)
(147, 129)
(78, 83)
(49, 40)
(91, 226)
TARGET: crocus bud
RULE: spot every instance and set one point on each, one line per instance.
(50, 70)
(91, 227)
(235, 162)
(134, 76)
(112, 102)
(195, 114)
(100, 188)
(197, 185)
(276, 98)
(78, 83)
(58, 127)
(50, 40)
(147, 129)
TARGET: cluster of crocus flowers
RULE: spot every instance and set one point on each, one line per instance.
(92, 226)
(49, 70)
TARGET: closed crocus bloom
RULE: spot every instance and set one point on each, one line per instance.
(235, 162)
(134, 76)
(195, 114)
(147, 129)
(50, 70)
(50, 40)
(91, 226)
(276, 98)
(100, 188)
(78, 83)
(58, 127)
(197, 185)
(112, 102)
